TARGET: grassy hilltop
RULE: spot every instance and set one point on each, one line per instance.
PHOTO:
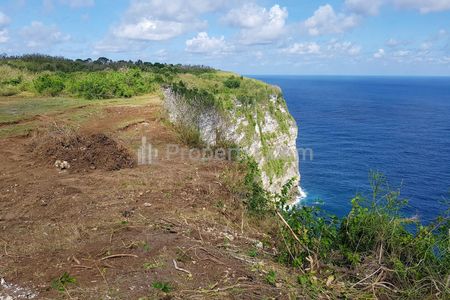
(179, 228)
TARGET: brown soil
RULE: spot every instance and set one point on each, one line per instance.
(118, 230)
(83, 152)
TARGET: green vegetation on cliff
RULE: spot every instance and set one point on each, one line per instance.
(372, 252)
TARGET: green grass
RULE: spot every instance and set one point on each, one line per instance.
(162, 286)
(60, 284)
(15, 109)
(18, 115)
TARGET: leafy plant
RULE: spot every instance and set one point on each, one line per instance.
(162, 286)
(253, 253)
(49, 84)
(232, 82)
(271, 277)
(146, 246)
(257, 199)
(61, 282)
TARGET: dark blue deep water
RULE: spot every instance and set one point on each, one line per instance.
(399, 126)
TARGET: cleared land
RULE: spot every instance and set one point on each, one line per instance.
(127, 231)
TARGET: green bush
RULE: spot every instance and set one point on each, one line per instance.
(232, 82)
(49, 84)
(413, 259)
(111, 84)
(257, 199)
(9, 90)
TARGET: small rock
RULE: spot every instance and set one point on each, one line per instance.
(62, 165)
(58, 164)
(259, 245)
(228, 236)
(146, 204)
(65, 165)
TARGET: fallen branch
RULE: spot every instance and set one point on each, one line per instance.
(181, 269)
(367, 277)
(118, 255)
(293, 233)
(81, 267)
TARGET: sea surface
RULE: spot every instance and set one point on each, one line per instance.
(399, 126)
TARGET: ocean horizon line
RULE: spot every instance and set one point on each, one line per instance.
(347, 76)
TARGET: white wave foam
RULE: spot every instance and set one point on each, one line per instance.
(302, 194)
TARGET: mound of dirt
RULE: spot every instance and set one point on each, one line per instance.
(82, 152)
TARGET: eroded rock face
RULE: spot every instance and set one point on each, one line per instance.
(265, 131)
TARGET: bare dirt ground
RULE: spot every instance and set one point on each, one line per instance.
(119, 231)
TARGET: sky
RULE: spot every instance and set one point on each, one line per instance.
(304, 37)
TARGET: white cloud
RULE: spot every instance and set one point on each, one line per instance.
(162, 54)
(204, 44)
(4, 21)
(249, 15)
(372, 7)
(258, 25)
(330, 49)
(302, 48)
(4, 36)
(39, 35)
(424, 6)
(259, 55)
(364, 7)
(326, 21)
(380, 53)
(157, 20)
(348, 48)
(393, 43)
(179, 10)
(78, 3)
(150, 29)
(401, 53)
(49, 5)
(425, 46)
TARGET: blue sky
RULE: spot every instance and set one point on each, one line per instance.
(345, 37)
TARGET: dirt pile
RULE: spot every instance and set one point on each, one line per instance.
(82, 151)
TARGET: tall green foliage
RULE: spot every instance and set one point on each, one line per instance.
(49, 84)
(413, 259)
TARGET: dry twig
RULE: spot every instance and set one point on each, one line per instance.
(118, 255)
(181, 269)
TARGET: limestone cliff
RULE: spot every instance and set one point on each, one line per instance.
(260, 125)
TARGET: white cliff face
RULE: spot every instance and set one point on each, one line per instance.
(266, 132)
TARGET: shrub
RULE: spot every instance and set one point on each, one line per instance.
(49, 84)
(111, 84)
(60, 284)
(374, 237)
(232, 82)
(257, 199)
(9, 90)
(162, 286)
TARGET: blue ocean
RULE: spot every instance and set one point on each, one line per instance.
(399, 126)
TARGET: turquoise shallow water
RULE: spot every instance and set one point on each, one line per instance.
(397, 125)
